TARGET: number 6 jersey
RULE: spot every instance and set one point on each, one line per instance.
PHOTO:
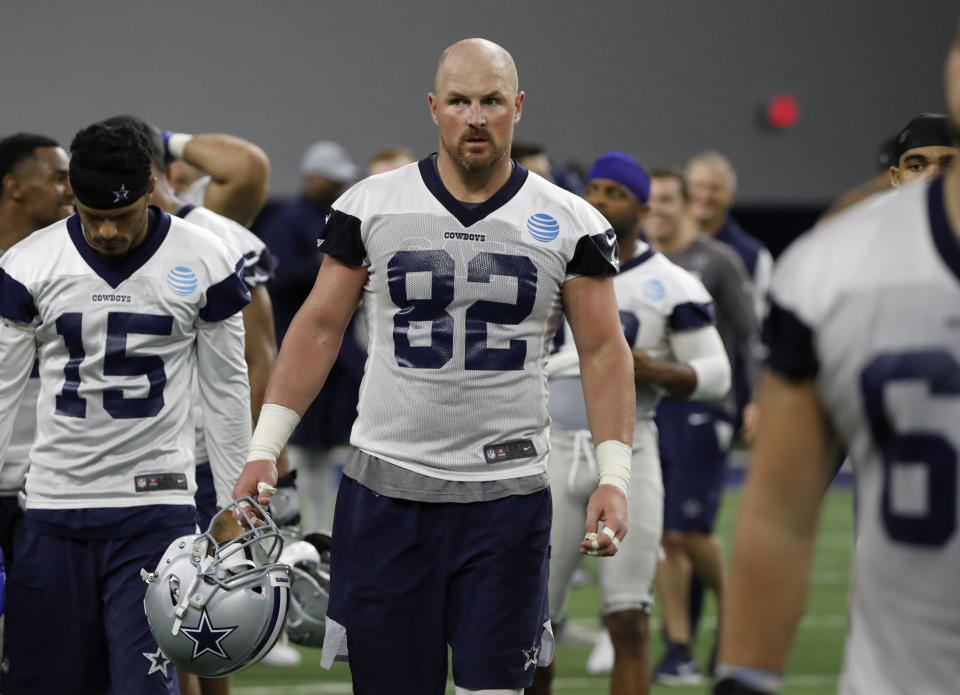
(868, 305)
(461, 304)
(118, 342)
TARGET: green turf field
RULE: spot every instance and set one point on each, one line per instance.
(814, 665)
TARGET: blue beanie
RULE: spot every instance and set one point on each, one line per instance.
(624, 169)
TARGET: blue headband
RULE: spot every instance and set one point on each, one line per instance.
(623, 169)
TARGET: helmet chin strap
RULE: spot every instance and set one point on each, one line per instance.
(202, 561)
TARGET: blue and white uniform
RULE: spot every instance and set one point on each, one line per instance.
(111, 469)
(667, 312)
(866, 307)
(461, 304)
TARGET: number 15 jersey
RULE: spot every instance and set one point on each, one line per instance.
(461, 304)
(118, 342)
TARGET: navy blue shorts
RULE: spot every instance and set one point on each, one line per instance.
(695, 443)
(206, 496)
(409, 578)
(75, 621)
(10, 516)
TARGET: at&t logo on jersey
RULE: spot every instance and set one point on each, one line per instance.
(654, 289)
(182, 280)
(543, 227)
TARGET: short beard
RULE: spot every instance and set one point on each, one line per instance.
(473, 166)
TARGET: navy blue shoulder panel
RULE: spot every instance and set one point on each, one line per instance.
(185, 210)
(690, 315)
(227, 297)
(16, 302)
(342, 240)
(261, 269)
(789, 343)
(595, 254)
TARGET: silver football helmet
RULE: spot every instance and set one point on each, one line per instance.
(215, 608)
(309, 560)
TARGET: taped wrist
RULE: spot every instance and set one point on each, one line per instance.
(175, 143)
(613, 461)
(274, 427)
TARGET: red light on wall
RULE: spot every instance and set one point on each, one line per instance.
(782, 111)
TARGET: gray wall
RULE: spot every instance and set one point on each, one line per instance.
(661, 80)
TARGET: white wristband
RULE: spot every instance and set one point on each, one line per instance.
(177, 143)
(274, 427)
(613, 460)
(713, 378)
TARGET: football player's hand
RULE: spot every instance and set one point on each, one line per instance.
(223, 529)
(607, 504)
(258, 480)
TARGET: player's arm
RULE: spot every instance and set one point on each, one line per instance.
(239, 171)
(260, 343)
(260, 351)
(224, 399)
(308, 352)
(736, 293)
(17, 353)
(701, 370)
(606, 370)
(776, 526)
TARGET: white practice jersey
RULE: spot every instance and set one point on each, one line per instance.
(868, 305)
(461, 305)
(196, 191)
(15, 460)
(118, 344)
(658, 300)
(258, 265)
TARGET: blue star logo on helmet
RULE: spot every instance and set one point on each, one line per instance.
(543, 227)
(182, 280)
(207, 638)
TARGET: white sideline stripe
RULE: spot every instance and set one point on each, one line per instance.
(799, 680)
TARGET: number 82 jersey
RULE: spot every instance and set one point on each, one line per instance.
(461, 303)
